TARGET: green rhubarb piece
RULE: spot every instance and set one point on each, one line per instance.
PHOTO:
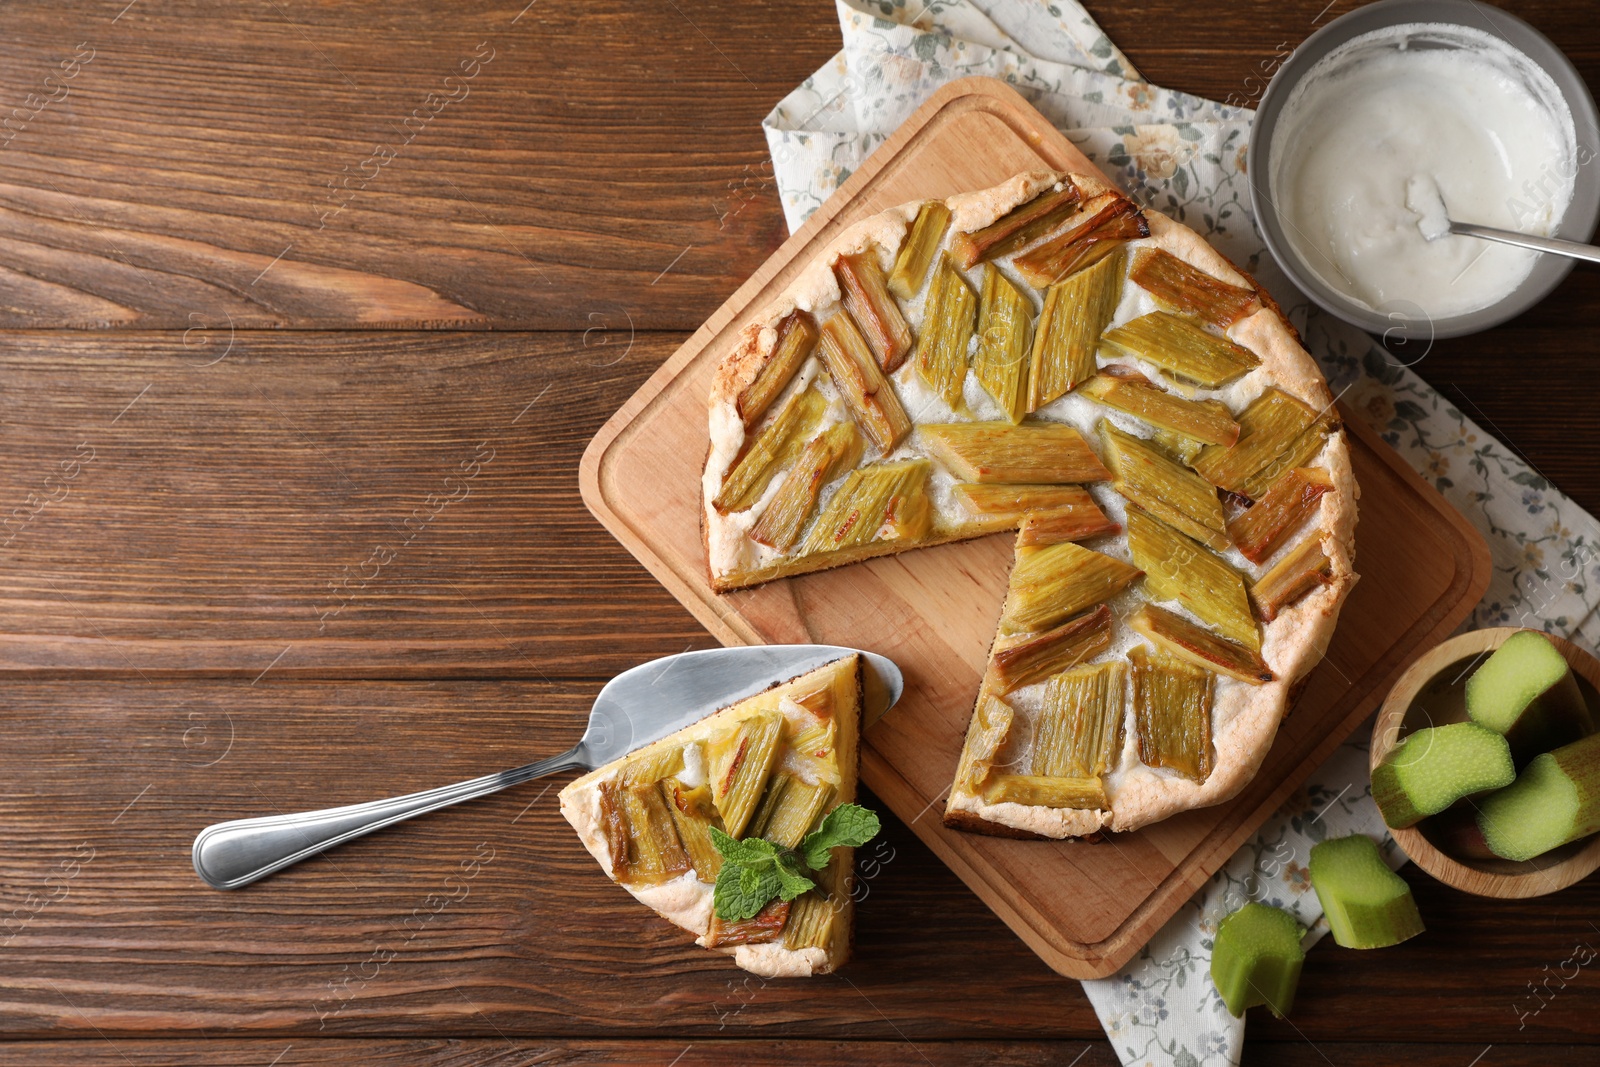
(1527, 692)
(1256, 958)
(1431, 769)
(1367, 904)
(1556, 799)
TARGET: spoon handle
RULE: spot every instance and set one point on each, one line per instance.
(228, 855)
(1572, 249)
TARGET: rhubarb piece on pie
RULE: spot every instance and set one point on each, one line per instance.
(1303, 569)
(946, 333)
(1175, 634)
(1076, 312)
(1200, 581)
(1208, 422)
(1005, 331)
(1288, 504)
(1165, 488)
(1018, 227)
(1034, 657)
(1052, 526)
(921, 247)
(1002, 506)
(1048, 584)
(866, 296)
(1182, 349)
(1276, 432)
(797, 337)
(1172, 702)
(856, 377)
(774, 447)
(826, 456)
(1188, 290)
(1100, 229)
(1030, 454)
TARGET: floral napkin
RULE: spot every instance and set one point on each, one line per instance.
(1185, 156)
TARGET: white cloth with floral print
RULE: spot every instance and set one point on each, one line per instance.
(1186, 156)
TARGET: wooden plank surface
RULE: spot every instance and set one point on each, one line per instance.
(197, 147)
(493, 919)
(183, 177)
(351, 501)
(505, 1052)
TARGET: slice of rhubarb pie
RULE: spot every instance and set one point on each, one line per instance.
(1045, 356)
(771, 769)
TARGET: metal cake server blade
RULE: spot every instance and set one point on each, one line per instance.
(636, 707)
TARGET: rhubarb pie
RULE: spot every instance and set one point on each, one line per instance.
(1045, 356)
(772, 767)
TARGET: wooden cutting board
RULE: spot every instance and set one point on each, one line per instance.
(1085, 908)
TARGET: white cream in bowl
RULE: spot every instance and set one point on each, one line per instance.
(1379, 123)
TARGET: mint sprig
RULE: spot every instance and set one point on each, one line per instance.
(848, 824)
(755, 870)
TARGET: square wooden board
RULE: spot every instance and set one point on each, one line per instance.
(1085, 908)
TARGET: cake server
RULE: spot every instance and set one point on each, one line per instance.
(636, 707)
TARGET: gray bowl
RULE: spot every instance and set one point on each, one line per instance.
(1578, 224)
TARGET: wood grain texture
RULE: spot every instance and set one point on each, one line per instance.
(182, 173)
(505, 1052)
(357, 503)
(537, 942)
(594, 149)
(1229, 51)
(1085, 910)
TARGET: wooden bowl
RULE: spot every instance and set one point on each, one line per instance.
(1432, 692)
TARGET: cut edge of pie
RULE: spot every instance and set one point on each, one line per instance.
(772, 765)
(1297, 576)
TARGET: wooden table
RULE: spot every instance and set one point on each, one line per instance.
(296, 369)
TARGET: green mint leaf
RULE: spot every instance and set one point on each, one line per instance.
(766, 886)
(851, 825)
(742, 892)
(848, 824)
(751, 851)
(791, 881)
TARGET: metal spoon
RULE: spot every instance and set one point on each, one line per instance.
(1571, 249)
(1423, 197)
(636, 707)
